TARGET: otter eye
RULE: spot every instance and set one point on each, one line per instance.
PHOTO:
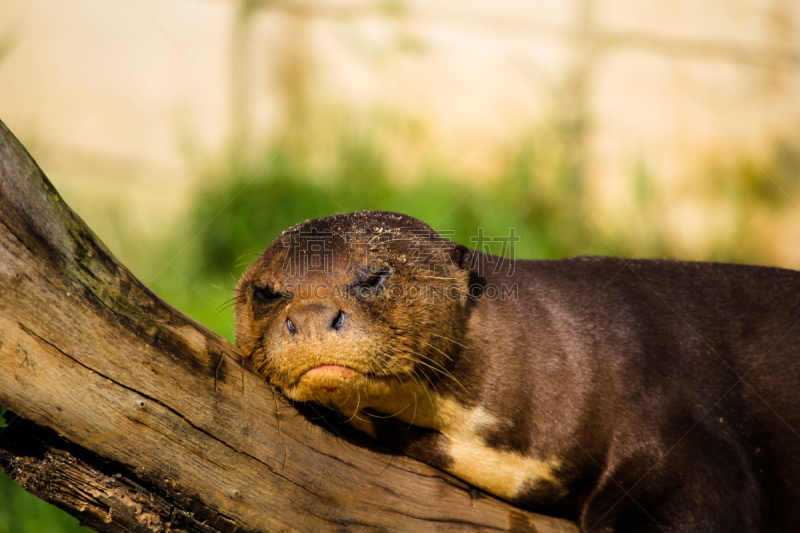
(263, 296)
(371, 281)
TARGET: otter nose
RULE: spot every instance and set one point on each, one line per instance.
(315, 319)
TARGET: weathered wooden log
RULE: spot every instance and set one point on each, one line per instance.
(137, 418)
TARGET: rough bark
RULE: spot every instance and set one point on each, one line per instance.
(135, 417)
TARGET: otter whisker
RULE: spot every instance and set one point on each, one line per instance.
(223, 307)
(226, 288)
(388, 416)
(437, 349)
(247, 255)
(421, 386)
(440, 370)
(430, 400)
(358, 404)
(447, 339)
(433, 365)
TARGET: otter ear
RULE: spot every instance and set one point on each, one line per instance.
(462, 256)
(465, 259)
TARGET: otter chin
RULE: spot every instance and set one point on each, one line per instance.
(625, 395)
(322, 380)
(337, 375)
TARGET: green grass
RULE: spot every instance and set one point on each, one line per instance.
(21, 512)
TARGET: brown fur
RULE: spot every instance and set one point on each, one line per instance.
(624, 395)
(390, 344)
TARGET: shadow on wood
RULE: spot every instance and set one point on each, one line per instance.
(137, 418)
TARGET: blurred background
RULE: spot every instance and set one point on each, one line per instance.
(189, 133)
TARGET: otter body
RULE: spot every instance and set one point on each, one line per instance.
(625, 395)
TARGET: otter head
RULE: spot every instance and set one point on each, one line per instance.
(349, 309)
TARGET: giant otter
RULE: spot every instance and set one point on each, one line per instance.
(641, 395)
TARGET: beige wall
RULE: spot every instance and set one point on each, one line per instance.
(129, 93)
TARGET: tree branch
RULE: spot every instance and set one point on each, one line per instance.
(161, 427)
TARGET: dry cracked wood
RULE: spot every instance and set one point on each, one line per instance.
(160, 426)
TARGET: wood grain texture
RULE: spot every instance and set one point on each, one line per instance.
(101, 494)
(90, 352)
